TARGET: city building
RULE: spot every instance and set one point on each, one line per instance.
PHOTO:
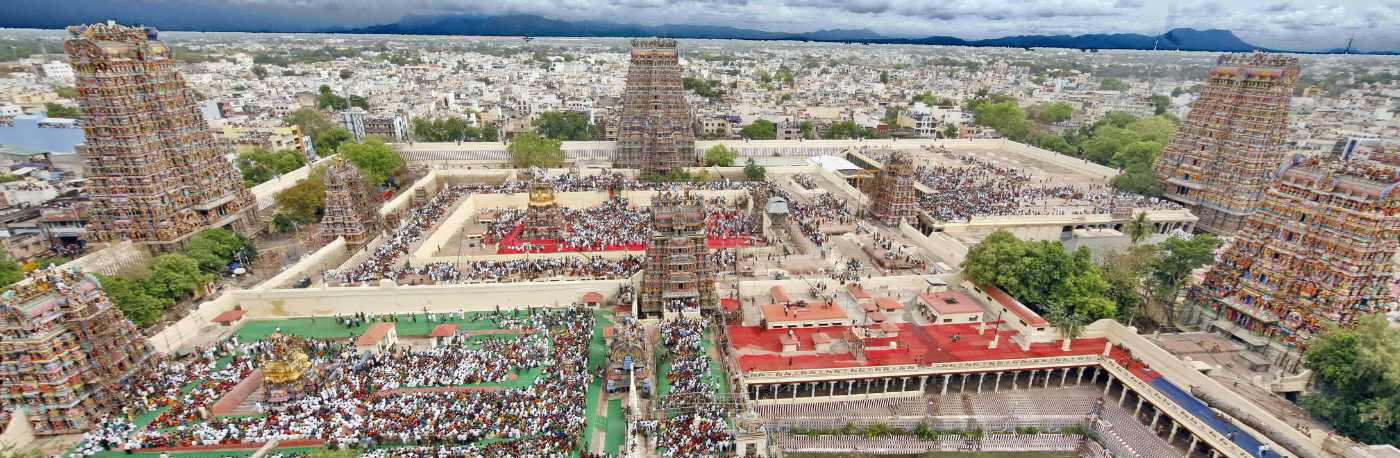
(58, 72)
(677, 274)
(349, 211)
(655, 132)
(1318, 251)
(391, 128)
(149, 182)
(274, 138)
(893, 198)
(353, 120)
(64, 347)
(1225, 153)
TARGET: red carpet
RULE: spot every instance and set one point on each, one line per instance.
(514, 244)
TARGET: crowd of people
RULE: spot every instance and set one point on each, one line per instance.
(979, 187)
(810, 218)
(700, 429)
(384, 259)
(349, 407)
(614, 223)
(805, 181)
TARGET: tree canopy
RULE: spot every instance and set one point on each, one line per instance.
(1356, 380)
(1051, 113)
(376, 160)
(1039, 273)
(54, 110)
(302, 203)
(562, 125)
(719, 155)
(1113, 84)
(325, 134)
(531, 150)
(761, 129)
(10, 271)
(753, 171)
(259, 164)
(446, 129)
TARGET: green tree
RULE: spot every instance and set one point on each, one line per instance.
(1138, 179)
(951, 131)
(357, 101)
(175, 276)
(1040, 272)
(884, 77)
(1179, 256)
(260, 72)
(1160, 104)
(764, 77)
(134, 300)
(1051, 113)
(345, 74)
(312, 122)
(329, 142)
(10, 271)
(214, 248)
(1356, 381)
(54, 110)
(259, 165)
(760, 129)
(490, 133)
(303, 202)
(1113, 84)
(66, 92)
(719, 155)
(562, 125)
(808, 132)
(1125, 272)
(753, 171)
(327, 99)
(448, 129)
(1006, 117)
(376, 160)
(1070, 324)
(531, 150)
(845, 129)
(1139, 228)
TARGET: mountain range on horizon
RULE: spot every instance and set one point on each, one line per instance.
(1183, 39)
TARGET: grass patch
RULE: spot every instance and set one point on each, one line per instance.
(330, 328)
(617, 427)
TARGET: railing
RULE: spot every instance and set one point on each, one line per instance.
(916, 369)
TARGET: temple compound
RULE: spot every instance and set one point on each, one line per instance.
(677, 274)
(349, 212)
(1319, 249)
(894, 190)
(155, 173)
(544, 220)
(65, 345)
(1225, 153)
(655, 132)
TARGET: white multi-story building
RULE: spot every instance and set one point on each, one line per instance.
(59, 72)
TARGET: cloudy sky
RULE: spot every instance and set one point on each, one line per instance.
(1288, 24)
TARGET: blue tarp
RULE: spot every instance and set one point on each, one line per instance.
(1202, 411)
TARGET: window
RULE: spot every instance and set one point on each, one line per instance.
(947, 320)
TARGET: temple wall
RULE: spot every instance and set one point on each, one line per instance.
(392, 298)
(311, 265)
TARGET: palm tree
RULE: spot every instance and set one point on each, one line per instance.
(1070, 325)
(1139, 228)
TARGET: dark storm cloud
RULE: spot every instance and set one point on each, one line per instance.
(1271, 23)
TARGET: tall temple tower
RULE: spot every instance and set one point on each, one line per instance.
(349, 212)
(655, 132)
(894, 190)
(1225, 152)
(65, 347)
(155, 173)
(1317, 251)
(678, 273)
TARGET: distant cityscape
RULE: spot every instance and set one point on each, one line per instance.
(389, 245)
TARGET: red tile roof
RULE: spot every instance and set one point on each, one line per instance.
(443, 330)
(1015, 306)
(593, 297)
(787, 340)
(875, 317)
(857, 292)
(779, 295)
(374, 334)
(888, 303)
(960, 303)
(775, 313)
(230, 316)
(821, 338)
